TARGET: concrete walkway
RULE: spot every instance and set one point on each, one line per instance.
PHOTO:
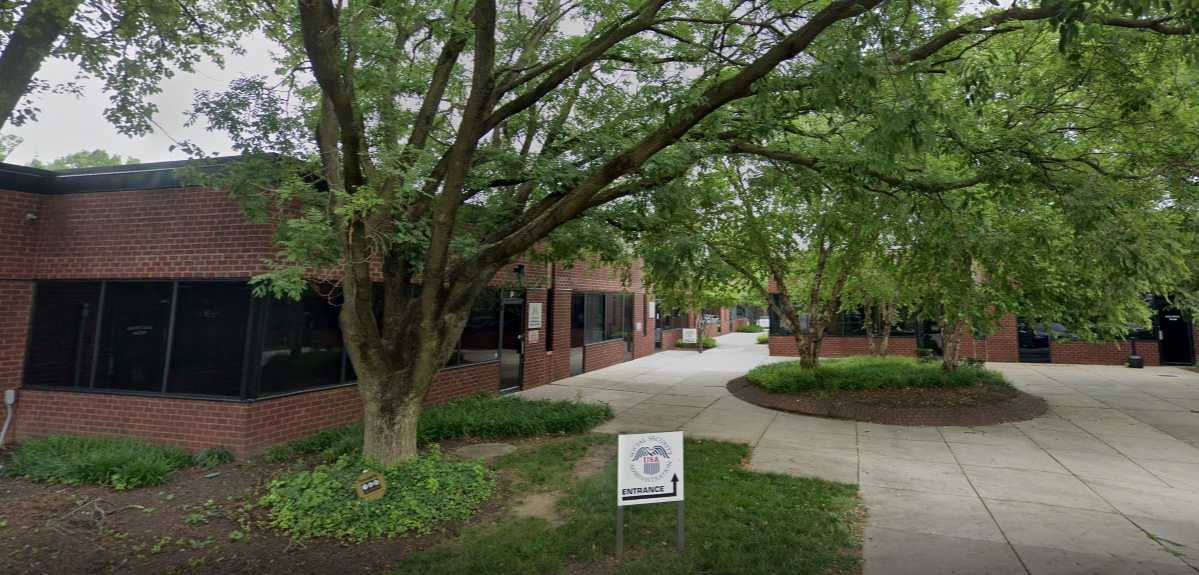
(1108, 482)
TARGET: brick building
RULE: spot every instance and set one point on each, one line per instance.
(125, 310)
(1170, 341)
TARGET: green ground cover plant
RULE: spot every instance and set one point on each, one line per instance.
(422, 493)
(750, 328)
(862, 373)
(115, 462)
(763, 338)
(480, 416)
(738, 521)
(709, 343)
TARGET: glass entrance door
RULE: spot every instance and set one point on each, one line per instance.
(512, 343)
(1174, 338)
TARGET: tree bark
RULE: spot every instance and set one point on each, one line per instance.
(871, 324)
(41, 24)
(389, 427)
(951, 336)
(888, 320)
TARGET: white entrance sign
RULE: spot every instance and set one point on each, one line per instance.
(689, 335)
(653, 309)
(534, 336)
(764, 322)
(534, 315)
(650, 468)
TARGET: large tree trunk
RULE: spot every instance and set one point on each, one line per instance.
(42, 22)
(389, 428)
(951, 336)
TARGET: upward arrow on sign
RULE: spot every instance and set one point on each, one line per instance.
(674, 490)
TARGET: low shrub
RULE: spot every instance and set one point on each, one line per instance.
(117, 463)
(489, 416)
(480, 416)
(212, 457)
(859, 373)
(421, 494)
(763, 338)
(750, 328)
(709, 342)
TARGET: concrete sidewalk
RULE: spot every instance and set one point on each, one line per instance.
(1108, 482)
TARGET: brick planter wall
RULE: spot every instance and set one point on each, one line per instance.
(1003, 345)
(603, 354)
(671, 337)
(1101, 353)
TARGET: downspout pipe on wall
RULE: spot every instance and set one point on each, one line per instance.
(10, 401)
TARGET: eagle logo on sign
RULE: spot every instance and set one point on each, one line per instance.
(651, 458)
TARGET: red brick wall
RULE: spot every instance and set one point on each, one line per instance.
(559, 360)
(1101, 353)
(189, 232)
(18, 235)
(16, 302)
(186, 423)
(603, 354)
(537, 359)
(274, 421)
(1003, 345)
(464, 380)
(671, 337)
(588, 276)
(643, 345)
(841, 346)
(242, 427)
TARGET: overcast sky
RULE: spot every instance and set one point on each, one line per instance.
(69, 124)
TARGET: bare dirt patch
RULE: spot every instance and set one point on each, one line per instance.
(544, 504)
(981, 404)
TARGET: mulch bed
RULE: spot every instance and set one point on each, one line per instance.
(47, 528)
(981, 404)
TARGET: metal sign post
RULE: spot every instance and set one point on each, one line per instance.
(649, 470)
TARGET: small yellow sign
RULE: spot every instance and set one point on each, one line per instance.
(370, 486)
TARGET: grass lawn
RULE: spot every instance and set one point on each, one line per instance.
(479, 417)
(738, 521)
(863, 373)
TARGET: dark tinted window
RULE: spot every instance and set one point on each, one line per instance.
(905, 327)
(480, 338)
(852, 323)
(618, 316)
(208, 350)
(578, 319)
(301, 345)
(594, 322)
(62, 334)
(134, 335)
(777, 326)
